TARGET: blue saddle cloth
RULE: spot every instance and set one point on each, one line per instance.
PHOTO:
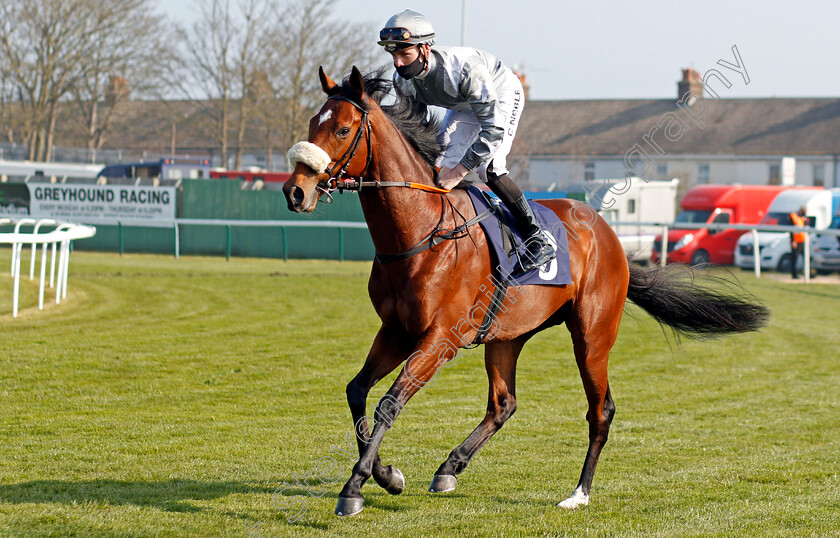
(554, 273)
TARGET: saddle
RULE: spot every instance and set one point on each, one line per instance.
(507, 243)
(507, 246)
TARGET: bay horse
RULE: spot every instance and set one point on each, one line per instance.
(423, 287)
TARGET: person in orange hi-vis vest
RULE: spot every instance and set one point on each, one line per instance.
(797, 239)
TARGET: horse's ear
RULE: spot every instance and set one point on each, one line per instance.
(327, 84)
(357, 83)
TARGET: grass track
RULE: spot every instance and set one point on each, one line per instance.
(174, 397)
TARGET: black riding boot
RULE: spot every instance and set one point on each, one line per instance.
(538, 251)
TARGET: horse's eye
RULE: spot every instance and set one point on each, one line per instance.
(344, 131)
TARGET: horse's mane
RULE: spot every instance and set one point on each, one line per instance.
(411, 117)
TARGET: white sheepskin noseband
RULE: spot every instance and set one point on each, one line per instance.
(310, 155)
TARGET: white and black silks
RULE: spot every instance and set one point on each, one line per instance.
(484, 100)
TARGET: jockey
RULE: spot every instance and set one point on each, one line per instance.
(484, 101)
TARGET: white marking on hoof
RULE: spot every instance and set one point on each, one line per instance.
(577, 498)
(399, 485)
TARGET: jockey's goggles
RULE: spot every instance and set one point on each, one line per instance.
(394, 34)
(398, 38)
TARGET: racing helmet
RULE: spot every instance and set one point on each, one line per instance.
(406, 29)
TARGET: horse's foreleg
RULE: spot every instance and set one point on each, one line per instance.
(500, 362)
(592, 341)
(386, 353)
(420, 368)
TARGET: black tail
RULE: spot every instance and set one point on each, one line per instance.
(673, 297)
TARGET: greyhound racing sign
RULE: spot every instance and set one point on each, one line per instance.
(97, 202)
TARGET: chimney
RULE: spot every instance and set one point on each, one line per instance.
(523, 79)
(117, 90)
(691, 82)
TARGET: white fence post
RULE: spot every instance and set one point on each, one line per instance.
(16, 246)
(64, 234)
(38, 224)
(66, 268)
(59, 278)
(42, 281)
(52, 267)
(14, 254)
(664, 258)
(756, 254)
(16, 290)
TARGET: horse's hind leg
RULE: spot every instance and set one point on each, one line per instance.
(384, 356)
(594, 328)
(500, 362)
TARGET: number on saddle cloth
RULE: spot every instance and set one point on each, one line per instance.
(507, 242)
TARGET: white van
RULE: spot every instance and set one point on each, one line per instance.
(774, 247)
(634, 200)
(46, 171)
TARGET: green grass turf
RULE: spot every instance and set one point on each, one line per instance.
(170, 397)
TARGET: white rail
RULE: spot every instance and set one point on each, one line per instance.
(59, 238)
(754, 228)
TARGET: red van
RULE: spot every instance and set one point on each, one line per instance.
(705, 204)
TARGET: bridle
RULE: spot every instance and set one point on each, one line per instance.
(364, 129)
(339, 181)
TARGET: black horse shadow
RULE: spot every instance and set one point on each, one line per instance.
(169, 495)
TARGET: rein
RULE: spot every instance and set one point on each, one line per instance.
(338, 182)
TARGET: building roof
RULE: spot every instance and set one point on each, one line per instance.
(772, 126)
(148, 126)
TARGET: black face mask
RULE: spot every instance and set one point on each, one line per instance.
(413, 69)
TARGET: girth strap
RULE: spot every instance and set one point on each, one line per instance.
(492, 312)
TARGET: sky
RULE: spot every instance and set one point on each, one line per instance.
(631, 49)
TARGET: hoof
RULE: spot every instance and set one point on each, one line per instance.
(577, 498)
(397, 483)
(442, 483)
(349, 506)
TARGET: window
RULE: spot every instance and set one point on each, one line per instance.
(589, 172)
(819, 175)
(720, 218)
(775, 175)
(608, 215)
(703, 174)
(691, 216)
(631, 206)
(662, 170)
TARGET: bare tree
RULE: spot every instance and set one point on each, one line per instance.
(248, 55)
(308, 36)
(9, 107)
(44, 44)
(129, 55)
(262, 95)
(210, 60)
